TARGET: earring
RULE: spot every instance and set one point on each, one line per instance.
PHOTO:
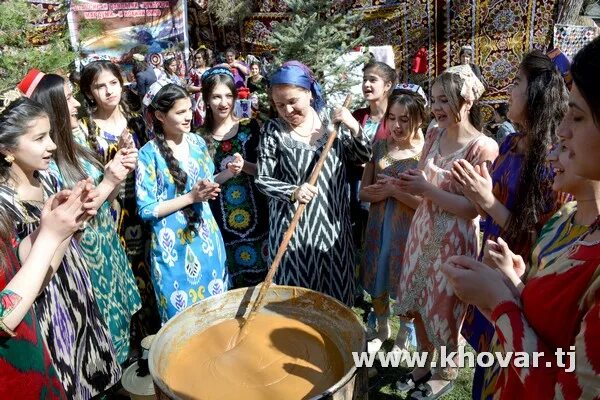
(9, 158)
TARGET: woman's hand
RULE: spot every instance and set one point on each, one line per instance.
(124, 162)
(498, 255)
(204, 190)
(305, 193)
(125, 141)
(64, 213)
(476, 283)
(414, 182)
(475, 183)
(235, 166)
(389, 184)
(343, 115)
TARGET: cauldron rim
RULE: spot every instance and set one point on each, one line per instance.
(254, 290)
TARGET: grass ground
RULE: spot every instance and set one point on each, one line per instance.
(382, 385)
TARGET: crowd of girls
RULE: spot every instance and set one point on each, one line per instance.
(111, 225)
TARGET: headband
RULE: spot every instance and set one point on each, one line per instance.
(472, 88)
(30, 82)
(298, 74)
(8, 97)
(415, 89)
(216, 71)
(153, 91)
(94, 57)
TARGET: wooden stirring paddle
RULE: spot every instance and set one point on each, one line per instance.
(290, 231)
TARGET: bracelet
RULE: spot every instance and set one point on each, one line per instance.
(6, 329)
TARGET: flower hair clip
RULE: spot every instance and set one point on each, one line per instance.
(8, 97)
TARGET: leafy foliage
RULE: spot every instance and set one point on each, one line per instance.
(319, 36)
(19, 42)
(229, 12)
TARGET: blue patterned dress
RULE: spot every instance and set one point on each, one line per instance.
(184, 269)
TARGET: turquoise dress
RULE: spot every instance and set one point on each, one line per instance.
(184, 269)
(112, 278)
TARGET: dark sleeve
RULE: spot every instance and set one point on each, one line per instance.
(141, 83)
(253, 141)
(267, 180)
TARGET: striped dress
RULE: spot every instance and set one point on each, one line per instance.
(71, 322)
(320, 255)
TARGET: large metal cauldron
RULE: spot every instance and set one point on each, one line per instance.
(322, 312)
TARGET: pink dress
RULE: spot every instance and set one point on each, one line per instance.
(435, 235)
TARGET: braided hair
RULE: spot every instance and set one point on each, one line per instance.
(163, 102)
(88, 77)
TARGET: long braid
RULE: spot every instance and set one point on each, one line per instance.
(179, 177)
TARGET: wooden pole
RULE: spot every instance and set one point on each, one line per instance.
(291, 229)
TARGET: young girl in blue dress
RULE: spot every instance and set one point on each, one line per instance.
(174, 181)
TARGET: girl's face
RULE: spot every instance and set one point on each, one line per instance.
(373, 86)
(581, 137)
(35, 147)
(172, 67)
(73, 105)
(564, 178)
(178, 120)
(221, 102)
(440, 107)
(517, 103)
(106, 90)
(292, 103)
(398, 123)
(199, 60)
(230, 57)
(465, 58)
(254, 70)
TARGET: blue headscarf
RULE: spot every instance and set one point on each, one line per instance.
(298, 74)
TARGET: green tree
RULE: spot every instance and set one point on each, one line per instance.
(319, 36)
(18, 37)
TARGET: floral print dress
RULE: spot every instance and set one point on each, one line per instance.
(241, 210)
(386, 233)
(185, 268)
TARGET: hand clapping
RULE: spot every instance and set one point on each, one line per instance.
(236, 166)
(204, 190)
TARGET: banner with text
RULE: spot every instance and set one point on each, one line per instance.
(145, 27)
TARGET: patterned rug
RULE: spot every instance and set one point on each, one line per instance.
(499, 31)
(571, 38)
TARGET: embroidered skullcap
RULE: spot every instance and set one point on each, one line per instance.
(472, 88)
(413, 88)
